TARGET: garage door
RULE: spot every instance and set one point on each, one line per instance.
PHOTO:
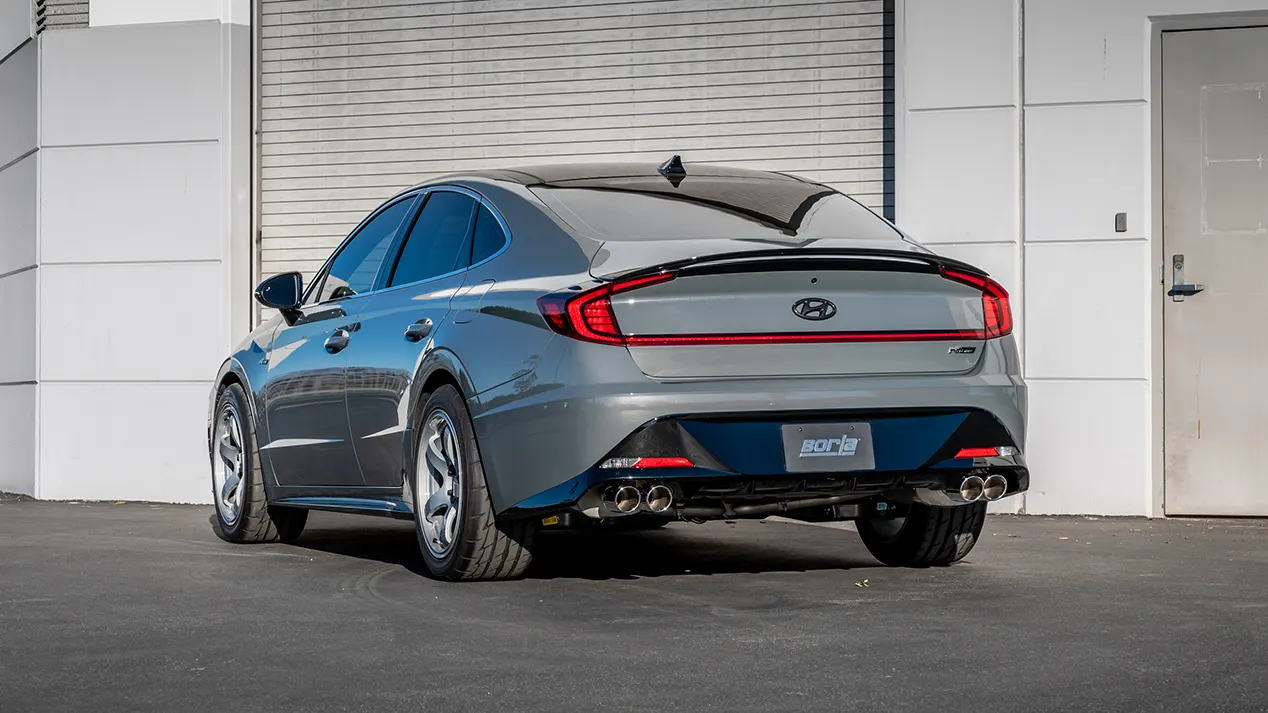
(362, 97)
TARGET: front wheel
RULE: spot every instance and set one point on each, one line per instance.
(453, 513)
(925, 536)
(237, 484)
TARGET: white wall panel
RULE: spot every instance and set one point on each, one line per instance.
(150, 202)
(18, 84)
(130, 12)
(361, 98)
(1097, 51)
(17, 438)
(949, 41)
(1084, 164)
(17, 299)
(1087, 310)
(137, 83)
(124, 442)
(144, 322)
(960, 182)
(1088, 447)
(15, 24)
(17, 215)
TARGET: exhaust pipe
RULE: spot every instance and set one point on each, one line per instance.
(626, 499)
(971, 488)
(659, 498)
(994, 487)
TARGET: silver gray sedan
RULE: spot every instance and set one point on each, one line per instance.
(615, 347)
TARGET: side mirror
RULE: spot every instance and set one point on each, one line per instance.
(283, 292)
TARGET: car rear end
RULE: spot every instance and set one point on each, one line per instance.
(796, 357)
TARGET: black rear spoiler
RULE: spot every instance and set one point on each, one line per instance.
(781, 259)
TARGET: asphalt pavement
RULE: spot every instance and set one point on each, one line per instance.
(136, 607)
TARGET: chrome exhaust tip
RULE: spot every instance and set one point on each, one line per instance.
(626, 499)
(995, 487)
(659, 498)
(971, 488)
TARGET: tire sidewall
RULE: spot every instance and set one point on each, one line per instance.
(236, 399)
(448, 400)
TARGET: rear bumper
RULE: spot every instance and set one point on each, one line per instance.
(739, 465)
(542, 437)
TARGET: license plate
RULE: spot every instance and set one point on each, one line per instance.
(828, 447)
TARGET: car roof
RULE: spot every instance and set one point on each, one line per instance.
(599, 174)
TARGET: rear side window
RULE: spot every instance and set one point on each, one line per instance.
(438, 243)
(488, 236)
(355, 267)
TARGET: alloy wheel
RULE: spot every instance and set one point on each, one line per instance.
(228, 473)
(439, 478)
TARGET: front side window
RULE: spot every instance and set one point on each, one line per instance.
(437, 245)
(354, 269)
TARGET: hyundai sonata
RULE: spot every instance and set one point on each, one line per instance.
(617, 347)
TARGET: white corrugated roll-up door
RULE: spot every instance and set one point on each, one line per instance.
(360, 98)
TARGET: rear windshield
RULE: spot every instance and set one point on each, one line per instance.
(644, 208)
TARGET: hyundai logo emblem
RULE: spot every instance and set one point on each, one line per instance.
(814, 309)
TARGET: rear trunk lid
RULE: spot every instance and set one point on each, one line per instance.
(791, 313)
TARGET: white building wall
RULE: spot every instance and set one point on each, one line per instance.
(1073, 131)
(145, 247)
(18, 257)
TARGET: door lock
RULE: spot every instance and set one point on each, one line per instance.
(1179, 288)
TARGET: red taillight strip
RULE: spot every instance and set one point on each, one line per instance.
(669, 340)
(997, 313)
(589, 316)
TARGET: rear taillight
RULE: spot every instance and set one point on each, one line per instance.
(997, 315)
(588, 315)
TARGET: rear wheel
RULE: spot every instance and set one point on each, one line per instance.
(237, 484)
(925, 536)
(453, 513)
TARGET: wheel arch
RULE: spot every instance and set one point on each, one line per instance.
(439, 368)
(232, 372)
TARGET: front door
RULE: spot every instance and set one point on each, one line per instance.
(304, 394)
(1215, 239)
(303, 398)
(398, 327)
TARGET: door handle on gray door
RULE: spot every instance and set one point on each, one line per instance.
(418, 331)
(1179, 288)
(337, 341)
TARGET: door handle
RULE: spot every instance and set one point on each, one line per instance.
(418, 331)
(1182, 291)
(1179, 288)
(337, 341)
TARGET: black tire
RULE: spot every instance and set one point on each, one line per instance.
(482, 548)
(926, 536)
(256, 521)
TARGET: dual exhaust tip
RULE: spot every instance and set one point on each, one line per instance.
(992, 488)
(627, 499)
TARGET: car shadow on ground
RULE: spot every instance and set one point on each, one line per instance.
(674, 551)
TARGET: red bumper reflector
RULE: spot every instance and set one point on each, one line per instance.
(675, 462)
(977, 452)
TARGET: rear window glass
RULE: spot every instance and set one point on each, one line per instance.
(653, 209)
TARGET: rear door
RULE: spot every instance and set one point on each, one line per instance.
(397, 329)
(304, 402)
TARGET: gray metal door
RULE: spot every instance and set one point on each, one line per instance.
(1215, 237)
